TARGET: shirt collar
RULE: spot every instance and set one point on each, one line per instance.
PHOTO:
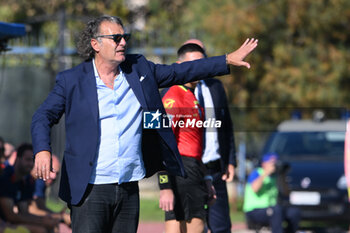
(96, 72)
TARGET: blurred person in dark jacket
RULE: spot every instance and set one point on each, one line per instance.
(17, 187)
(4, 226)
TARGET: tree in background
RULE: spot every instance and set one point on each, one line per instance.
(43, 15)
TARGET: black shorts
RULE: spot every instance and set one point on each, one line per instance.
(191, 194)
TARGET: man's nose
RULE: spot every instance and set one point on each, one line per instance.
(122, 41)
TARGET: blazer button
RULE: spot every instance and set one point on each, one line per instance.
(90, 163)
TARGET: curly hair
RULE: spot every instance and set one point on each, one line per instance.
(92, 30)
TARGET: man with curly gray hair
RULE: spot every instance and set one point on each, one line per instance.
(108, 149)
(84, 47)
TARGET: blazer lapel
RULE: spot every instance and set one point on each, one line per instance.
(135, 84)
(89, 91)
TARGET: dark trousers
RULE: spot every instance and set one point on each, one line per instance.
(274, 217)
(107, 208)
(219, 214)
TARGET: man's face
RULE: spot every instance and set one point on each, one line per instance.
(26, 162)
(106, 49)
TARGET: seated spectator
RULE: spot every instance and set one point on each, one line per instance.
(260, 199)
(5, 227)
(10, 154)
(38, 205)
(17, 187)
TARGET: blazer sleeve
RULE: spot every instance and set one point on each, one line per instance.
(48, 114)
(168, 75)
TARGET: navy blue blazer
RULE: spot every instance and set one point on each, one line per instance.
(227, 149)
(75, 95)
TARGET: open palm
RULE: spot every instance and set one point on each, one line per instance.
(236, 57)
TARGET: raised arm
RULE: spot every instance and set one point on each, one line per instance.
(203, 68)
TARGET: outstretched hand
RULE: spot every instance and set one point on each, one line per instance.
(236, 57)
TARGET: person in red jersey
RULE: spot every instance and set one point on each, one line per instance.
(184, 111)
(185, 200)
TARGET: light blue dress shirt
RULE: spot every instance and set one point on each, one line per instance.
(119, 157)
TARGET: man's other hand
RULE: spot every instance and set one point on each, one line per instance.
(43, 165)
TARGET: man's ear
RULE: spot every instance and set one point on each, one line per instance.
(95, 44)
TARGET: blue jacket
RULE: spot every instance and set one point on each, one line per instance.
(75, 95)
